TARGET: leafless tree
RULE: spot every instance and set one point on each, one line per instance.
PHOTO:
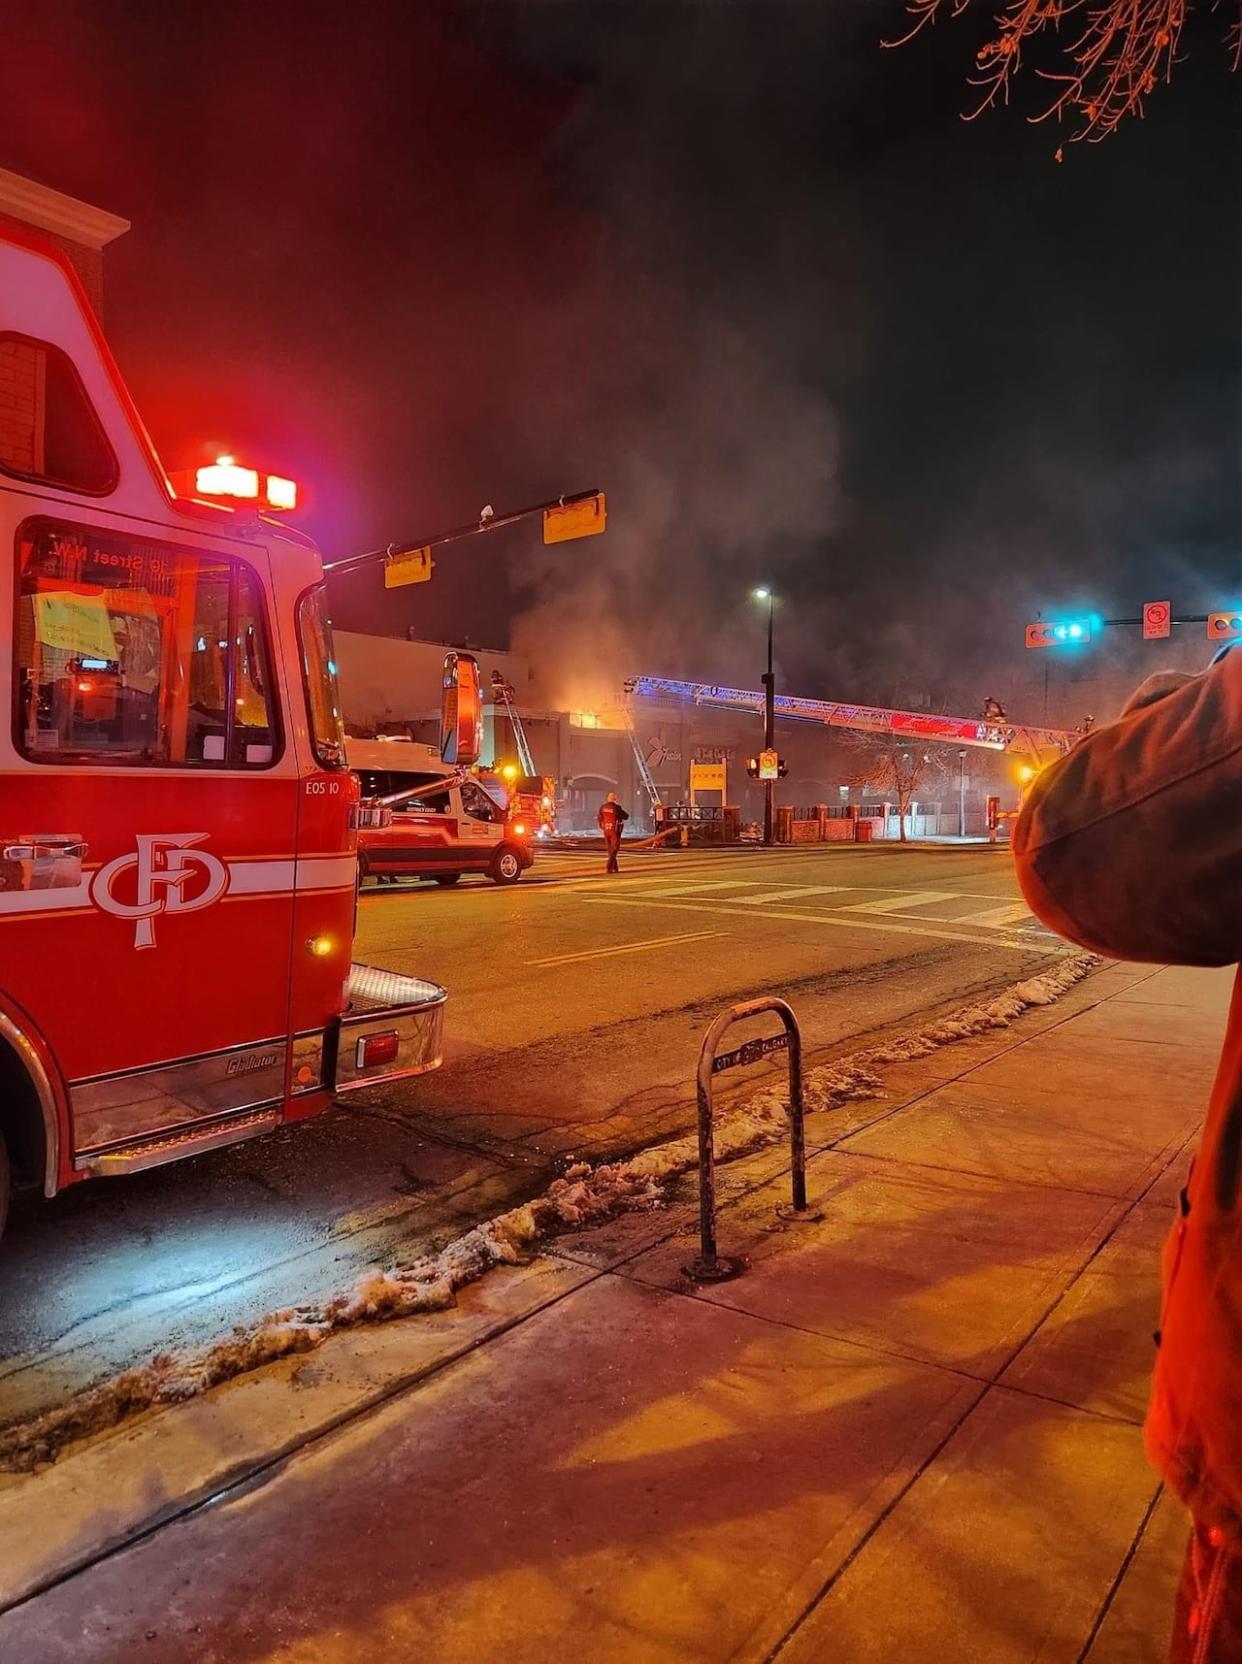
(1102, 57)
(895, 769)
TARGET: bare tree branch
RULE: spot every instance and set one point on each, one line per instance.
(894, 769)
(1106, 56)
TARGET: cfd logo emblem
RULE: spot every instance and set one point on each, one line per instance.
(164, 865)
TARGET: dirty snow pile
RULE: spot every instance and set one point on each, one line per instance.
(1045, 989)
(582, 1197)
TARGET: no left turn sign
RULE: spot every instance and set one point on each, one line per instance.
(1157, 619)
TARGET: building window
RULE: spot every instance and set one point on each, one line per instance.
(139, 653)
(49, 431)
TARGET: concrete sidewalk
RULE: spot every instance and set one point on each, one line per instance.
(911, 1431)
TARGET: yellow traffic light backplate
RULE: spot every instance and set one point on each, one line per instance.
(587, 517)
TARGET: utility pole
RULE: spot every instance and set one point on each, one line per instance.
(769, 722)
(961, 794)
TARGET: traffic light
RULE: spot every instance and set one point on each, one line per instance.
(1061, 632)
(579, 517)
(1224, 626)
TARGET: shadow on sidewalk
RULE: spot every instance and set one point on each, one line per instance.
(630, 1474)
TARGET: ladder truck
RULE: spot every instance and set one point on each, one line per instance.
(1040, 745)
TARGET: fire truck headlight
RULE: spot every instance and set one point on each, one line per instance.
(319, 947)
(519, 829)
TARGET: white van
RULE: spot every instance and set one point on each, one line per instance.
(454, 825)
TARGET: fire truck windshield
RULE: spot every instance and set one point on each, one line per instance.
(319, 671)
(140, 653)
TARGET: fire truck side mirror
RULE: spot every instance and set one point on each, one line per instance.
(461, 710)
(371, 815)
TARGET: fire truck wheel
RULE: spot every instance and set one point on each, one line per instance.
(4, 1182)
(507, 867)
(446, 880)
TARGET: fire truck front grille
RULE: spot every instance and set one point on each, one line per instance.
(370, 988)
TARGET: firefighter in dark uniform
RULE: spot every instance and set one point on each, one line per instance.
(612, 817)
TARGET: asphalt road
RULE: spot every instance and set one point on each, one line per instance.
(577, 1003)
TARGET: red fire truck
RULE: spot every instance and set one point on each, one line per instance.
(177, 822)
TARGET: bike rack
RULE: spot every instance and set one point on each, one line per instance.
(711, 1266)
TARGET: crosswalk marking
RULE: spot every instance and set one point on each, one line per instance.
(698, 889)
(997, 918)
(794, 894)
(900, 903)
(907, 905)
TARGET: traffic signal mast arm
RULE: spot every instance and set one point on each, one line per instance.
(487, 522)
(1156, 621)
(871, 719)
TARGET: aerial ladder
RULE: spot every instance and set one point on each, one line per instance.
(531, 795)
(993, 732)
(503, 694)
(640, 763)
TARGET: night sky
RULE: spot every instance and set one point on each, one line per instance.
(733, 263)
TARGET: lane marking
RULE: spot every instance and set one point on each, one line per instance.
(844, 920)
(901, 901)
(629, 947)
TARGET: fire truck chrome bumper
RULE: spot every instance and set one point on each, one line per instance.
(389, 1003)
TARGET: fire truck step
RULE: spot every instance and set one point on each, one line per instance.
(133, 1158)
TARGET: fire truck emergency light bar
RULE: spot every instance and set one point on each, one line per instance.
(871, 719)
(226, 479)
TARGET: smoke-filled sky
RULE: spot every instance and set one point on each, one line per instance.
(732, 262)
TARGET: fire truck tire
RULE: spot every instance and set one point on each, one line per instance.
(4, 1182)
(446, 880)
(507, 866)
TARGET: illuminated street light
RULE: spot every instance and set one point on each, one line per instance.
(763, 594)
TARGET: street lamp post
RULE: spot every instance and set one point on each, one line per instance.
(769, 719)
(961, 794)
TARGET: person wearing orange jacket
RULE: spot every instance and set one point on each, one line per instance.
(1131, 846)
